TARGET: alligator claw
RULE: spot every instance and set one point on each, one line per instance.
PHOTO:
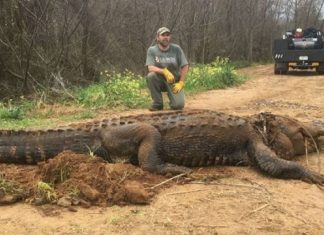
(314, 178)
(173, 169)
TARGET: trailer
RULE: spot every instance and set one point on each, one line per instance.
(299, 49)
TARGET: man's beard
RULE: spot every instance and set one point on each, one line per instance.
(164, 43)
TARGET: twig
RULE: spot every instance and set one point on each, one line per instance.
(282, 210)
(316, 147)
(125, 175)
(260, 185)
(254, 211)
(168, 180)
(191, 191)
(233, 185)
(210, 225)
(262, 134)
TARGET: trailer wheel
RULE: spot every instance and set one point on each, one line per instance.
(320, 68)
(280, 68)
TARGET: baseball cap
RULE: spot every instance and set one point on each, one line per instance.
(163, 30)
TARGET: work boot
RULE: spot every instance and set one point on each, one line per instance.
(153, 109)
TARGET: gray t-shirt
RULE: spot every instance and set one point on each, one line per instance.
(173, 58)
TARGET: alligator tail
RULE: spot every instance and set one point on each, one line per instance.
(30, 147)
(267, 161)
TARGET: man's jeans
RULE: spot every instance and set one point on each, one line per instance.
(157, 84)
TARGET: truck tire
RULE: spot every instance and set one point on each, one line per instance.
(280, 68)
(320, 68)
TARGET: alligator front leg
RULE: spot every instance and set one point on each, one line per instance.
(139, 139)
(267, 161)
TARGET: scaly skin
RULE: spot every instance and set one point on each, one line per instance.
(286, 136)
(166, 142)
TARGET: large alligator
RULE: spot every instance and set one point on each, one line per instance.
(169, 142)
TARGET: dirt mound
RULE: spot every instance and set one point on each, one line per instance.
(75, 179)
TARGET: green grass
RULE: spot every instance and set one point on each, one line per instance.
(45, 192)
(8, 186)
(217, 75)
(11, 113)
(115, 90)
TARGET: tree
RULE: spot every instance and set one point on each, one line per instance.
(50, 44)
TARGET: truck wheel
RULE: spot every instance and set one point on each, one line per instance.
(320, 68)
(280, 68)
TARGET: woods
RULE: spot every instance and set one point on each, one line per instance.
(50, 45)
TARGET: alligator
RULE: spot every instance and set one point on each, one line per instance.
(173, 141)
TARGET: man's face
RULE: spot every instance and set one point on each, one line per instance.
(164, 39)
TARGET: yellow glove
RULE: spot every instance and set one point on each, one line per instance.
(178, 86)
(168, 76)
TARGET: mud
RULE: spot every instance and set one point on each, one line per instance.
(80, 180)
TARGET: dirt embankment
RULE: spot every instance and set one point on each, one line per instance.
(223, 200)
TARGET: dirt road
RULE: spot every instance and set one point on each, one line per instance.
(241, 201)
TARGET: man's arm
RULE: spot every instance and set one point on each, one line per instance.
(165, 72)
(183, 75)
(183, 72)
(154, 69)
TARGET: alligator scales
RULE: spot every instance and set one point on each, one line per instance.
(170, 142)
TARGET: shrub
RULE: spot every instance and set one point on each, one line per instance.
(115, 89)
(219, 74)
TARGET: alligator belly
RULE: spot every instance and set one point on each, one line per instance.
(205, 151)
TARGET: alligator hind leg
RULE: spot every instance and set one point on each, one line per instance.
(268, 162)
(142, 140)
(283, 147)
